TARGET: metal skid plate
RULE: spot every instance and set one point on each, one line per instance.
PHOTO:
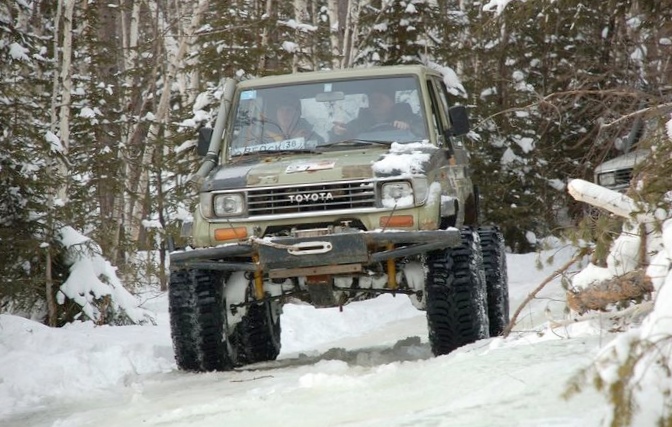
(333, 249)
(282, 273)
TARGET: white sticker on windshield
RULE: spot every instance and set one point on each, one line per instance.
(248, 94)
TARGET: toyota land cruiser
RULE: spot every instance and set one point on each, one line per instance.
(332, 218)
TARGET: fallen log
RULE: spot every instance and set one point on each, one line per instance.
(634, 285)
(633, 314)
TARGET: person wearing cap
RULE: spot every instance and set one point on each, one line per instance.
(383, 112)
(286, 123)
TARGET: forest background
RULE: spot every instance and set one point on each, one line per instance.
(100, 102)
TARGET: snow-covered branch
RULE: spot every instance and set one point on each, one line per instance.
(613, 201)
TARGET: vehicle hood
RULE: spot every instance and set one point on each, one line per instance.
(626, 161)
(310, 168)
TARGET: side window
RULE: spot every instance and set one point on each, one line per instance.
(439, 109)
(442, 96)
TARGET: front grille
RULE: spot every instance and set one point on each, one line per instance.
(623, 176)
(311, 198)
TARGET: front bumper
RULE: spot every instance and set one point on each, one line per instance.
(282, 253)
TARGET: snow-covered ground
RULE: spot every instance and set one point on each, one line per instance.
(369, 365)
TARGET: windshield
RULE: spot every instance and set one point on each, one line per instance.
(306, 117)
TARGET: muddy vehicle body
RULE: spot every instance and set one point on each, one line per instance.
(331, 219)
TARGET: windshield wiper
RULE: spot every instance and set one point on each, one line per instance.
(357, 142)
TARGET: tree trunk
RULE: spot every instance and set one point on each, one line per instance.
(265, 37)
(335, 39)
(161, 117)
(64, 115)
(630, 286)
(62, 84)
(351, 33)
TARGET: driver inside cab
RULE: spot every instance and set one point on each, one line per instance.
(383, 113)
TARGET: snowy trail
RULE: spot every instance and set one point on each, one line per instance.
(489, 383)
(369, 365)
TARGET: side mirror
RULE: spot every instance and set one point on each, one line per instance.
(459, 120)
(204, 136)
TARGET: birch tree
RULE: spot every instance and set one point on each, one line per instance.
(335, 32)
(351, 31)
(130, 32)
(161, 116)
(59, 140)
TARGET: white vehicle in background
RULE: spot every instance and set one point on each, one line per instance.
(615, 174)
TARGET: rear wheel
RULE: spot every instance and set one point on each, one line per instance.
(456, 295)
(198, 321)
(494, 262)
(257, 335)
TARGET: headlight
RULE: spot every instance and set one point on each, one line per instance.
(399, 194)
(228, 204)
(607, 179)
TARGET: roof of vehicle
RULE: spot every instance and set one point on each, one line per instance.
(348, 73)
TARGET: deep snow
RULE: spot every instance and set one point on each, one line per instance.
(369, 365)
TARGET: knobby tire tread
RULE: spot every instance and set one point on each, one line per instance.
(494, 263)
(198, 328)
(257, 336)
(454, 313)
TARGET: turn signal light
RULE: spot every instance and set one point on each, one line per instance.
(397, 221)
(230, 233)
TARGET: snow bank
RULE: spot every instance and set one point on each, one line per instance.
(39, 363)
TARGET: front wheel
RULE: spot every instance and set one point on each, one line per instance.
(198, 324)
(456, 295)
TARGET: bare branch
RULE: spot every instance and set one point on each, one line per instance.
(649, 111)
(582, 252)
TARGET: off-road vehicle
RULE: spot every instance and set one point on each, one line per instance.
(331, 219)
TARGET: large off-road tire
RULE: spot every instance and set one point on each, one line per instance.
(257, 335)
(494, 261)
(198, 321)
(456, 295)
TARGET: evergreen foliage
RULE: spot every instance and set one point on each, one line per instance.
(551, 88)
(25, 156)
(396, 32)
(540, 96)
